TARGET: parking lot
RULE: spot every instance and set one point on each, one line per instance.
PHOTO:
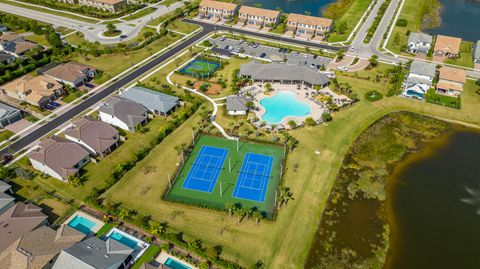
(271, 53)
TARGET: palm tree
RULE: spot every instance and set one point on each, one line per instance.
(249, 212)
(230, 207)
(155, 228)
(240, 212)
(292, 124)
(124, 214)
(163, 227)
(195, 244)
(285, 196)
(257, 215)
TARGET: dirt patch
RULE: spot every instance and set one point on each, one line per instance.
(214, 88)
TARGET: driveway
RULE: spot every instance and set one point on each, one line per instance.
(93, 32)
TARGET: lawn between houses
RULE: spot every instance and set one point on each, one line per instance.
(283, 243)
(351, 17)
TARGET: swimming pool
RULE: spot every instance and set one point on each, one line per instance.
(123, 239)
(175, 264)
(411, 93)
(283, 105)
(82, 224)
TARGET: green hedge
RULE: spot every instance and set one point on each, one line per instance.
(432, 97)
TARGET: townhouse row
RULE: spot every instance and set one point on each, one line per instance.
(296, 24)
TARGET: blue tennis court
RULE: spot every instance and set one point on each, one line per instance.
(205, 169)
(254, 175)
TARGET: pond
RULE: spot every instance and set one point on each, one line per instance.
(459, 18)
(315, 7)
(434, 206)
(283, 104)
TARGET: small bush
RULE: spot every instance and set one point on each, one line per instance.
(373, 96)
(402, 22)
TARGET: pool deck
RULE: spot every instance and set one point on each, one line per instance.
(301, 94)
(98, 224)
(140, 244)
(163, 256)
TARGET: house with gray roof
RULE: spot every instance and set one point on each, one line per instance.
(6, 201)
(19, 220)
(59, 158)
(98, 137)
(3, 28)
(6, 58)
(419, 43)
(283, 73)
(237, 105)
(94, 253)
(9, 115)
(476, 52)
(123, 113)
(37, 249)
(156, 102)
(421, 73)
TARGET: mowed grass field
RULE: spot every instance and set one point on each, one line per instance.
(285, 242)
(351, 18)
(228, 178)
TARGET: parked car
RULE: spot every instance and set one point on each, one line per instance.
(6, 158)
(227, 47)
(352, 48)
(263, 55)
(222, 38)
(255, 45)
(342, 68)
(55, 104)
(296, 53)
(315, 57)
(49, 107)
(123, 36)
(240, 42)
(237, 50)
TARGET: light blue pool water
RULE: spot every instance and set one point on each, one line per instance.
(123, 239)
(416, 94)
(282, 105)
(175, 265)
(82, 224)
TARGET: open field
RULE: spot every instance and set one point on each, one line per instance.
(182, 27)
(140, 14)
(58, 13)
(351, 18)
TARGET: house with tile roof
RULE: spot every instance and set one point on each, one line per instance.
(94, 253)
(72, 74)
(38, 248)
(447, 46)
(308, 25)
(451, 81)
(156, 102)
(123, 113)
(59, 158)
(218, 10)
(38, 91)
(98, 137)
(19, 220)
(9, 114)
(18, 48)
(258, 17)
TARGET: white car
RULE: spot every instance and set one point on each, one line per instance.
(352, 48)
(342, 68)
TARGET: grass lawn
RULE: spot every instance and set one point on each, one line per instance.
(228, 178)
(39, 39)
(148, 256)
(71, 96)
(5, 134)
(182, 27)
(105, 229)
(140, 14)
(57, 13)
(466, 57)
(432, 97)
(55, 209)
(351, 18)
(114, 64)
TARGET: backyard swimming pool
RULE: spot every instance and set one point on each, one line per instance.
(175, 265)
(282, 105)
(133, 244)
(82, 224)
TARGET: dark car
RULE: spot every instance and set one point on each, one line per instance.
(123, 36)
(263, 55)
(315, 57)
(49, 107)
(55, 104)
(223, 38)
(255, 45)
(6, 158)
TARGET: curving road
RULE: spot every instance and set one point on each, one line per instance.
(93, 32)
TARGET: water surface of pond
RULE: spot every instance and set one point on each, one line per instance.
(315, 7)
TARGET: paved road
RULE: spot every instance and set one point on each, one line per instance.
(304, 43)
(93, 32)
(97, 97)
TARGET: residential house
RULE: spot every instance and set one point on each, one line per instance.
(38, 91)
(59, 158)
(123, 113)
(17, 221)
(420, 79)
(113, 6)
(6, 58)
(10, 37)
(237, 105)
(476, 52)
(37, 249)
(72, 2)
(419, 43)
(94, 253)
(258, 17)
(6, 201)
(284, 74)
(447, 46)
(3, 28)
(151, 266)
(218, 10)
(72, 74)
(451, 81)
(98, 137)
(156, 102)
(18, 48)
(9, 115)
(309, 25)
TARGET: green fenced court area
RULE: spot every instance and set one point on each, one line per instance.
(200, 68)
(216, 173)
